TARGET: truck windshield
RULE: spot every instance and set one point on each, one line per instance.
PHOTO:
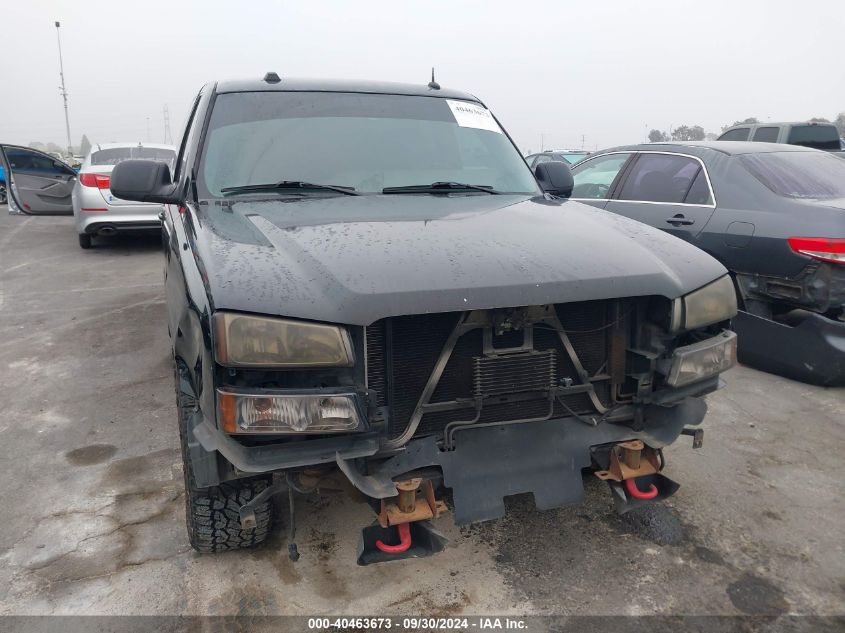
(799, 174)
(364, 142)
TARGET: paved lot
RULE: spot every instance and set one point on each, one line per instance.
(93, 511)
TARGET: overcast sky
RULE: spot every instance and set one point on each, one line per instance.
(605, 69)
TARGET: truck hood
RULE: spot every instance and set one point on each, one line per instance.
(355, 260)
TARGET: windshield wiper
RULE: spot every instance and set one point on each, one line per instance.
(289, 184)
(440, 187)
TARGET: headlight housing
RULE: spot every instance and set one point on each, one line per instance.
(702, 359)
(713, 303)
(269, 412)
(243, 340)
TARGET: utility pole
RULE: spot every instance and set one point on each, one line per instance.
(62, 90)
(542, 144)
(582, 141)
(148, 129)
(168, 139)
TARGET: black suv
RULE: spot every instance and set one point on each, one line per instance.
(366, 278)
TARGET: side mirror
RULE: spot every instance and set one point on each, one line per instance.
(143, 181)
(555, 178)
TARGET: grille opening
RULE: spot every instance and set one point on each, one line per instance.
(508, 340)
(402, 353)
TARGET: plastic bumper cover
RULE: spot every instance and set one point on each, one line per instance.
(812, 351)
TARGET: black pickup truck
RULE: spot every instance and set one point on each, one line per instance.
(367, 279)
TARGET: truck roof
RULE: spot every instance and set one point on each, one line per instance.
(290, 84)
(779, 124)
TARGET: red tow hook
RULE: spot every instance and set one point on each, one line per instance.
(404, 540)
(636, 493)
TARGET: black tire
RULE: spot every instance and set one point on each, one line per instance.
(84, 240)
(211, 514)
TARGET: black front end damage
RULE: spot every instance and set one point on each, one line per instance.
(810, 348)
(505, 402)
(545, 458)
(499, 403)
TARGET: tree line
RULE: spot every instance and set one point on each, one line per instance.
(697, 133)
(51, 148)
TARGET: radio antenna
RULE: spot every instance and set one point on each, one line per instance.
(433, 84)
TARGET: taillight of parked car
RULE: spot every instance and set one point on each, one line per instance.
(100, 181)
(828, 249)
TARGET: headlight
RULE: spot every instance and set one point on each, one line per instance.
(713, 303)
(275, 413)
(702, 360)
(252, 341)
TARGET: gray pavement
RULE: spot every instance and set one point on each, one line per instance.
(93, 510)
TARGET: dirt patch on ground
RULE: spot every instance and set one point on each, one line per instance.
(757, 596)
(90, 455)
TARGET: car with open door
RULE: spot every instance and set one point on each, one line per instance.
(773, 214)
(36, 183)
(366, 280)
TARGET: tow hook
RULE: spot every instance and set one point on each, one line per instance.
(633, 463)
(409, 511)
(406, 503)
(636, 493)
(404, 541)
(629, 460)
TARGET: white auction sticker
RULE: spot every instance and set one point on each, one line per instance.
(473, 115)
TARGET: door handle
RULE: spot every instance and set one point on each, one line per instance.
(680, 220)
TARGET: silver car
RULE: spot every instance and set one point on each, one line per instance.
(96, 210)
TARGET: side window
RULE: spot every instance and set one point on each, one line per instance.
(766, 134)
(593, 178)
(180, 159)
(24, 161)
(660, 178)
(530, 159)
(816, 136)
(739, 134)
(543, 158)
(699, 192)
